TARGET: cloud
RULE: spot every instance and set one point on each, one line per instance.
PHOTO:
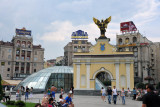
(147, 11)
(61, 31)
(75, 5)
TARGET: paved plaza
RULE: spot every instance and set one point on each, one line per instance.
(88, 101)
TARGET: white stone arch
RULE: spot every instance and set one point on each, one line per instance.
(100, 70)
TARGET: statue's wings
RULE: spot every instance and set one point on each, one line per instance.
(107, 21)
(96, 21)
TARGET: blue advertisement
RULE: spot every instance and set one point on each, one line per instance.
(23, 32)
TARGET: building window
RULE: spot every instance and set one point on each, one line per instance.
(120, 41)
(35, 59)
(9, 63)
(2, 63)
(75, 42)
(22, 64)
(120, 49)
(134, 39)
(23, 44)
(35, 64)
(10, 50)
(28, 58)
(34, 70)
(22, 57)
(29, 44)
(17, 57)
(9, 56)
(75, 48)
(83, 42)
(127, 41)
(35, 53)
(7, 75)
(18, 43)
(17, 52)
(8, 69)
(83, 48)
(17, 63)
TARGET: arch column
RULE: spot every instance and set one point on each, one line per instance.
(88, 75)
(128, 74)
(117, 75)
(78, 76)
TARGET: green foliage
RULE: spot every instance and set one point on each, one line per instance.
(20, 104)
(158, 86)
(10, 102)
(26, 105)
(140, 85)
(1, 91)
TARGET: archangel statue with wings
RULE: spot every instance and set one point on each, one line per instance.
(102, 25)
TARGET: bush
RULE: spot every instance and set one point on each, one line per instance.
(10, 102)
(20, 104)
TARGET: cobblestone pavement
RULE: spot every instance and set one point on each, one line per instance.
(87, 101)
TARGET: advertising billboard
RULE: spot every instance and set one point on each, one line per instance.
(127, 27)
(23, 32)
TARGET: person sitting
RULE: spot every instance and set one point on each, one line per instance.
(45, 103)
(61, 100)
(138, 97)
(68, 100)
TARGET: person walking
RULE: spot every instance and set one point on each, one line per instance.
(123, 96)
(103, 93)
(53, 90)
(150, 99)
(134, 94)
(109, 91)
(128, 92)
(27, 92)
(7, 94)
(62, 91)
(114, 91)
(31, 93)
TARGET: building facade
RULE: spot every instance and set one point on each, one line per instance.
(145, 55)
(20, 58)
(79, 43)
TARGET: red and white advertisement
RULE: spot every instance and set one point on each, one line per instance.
(127, 26)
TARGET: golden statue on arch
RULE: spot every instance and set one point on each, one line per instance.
(102, 25)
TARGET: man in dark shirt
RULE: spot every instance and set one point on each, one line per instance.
(109, 91)
(27, 93)
(150, 99)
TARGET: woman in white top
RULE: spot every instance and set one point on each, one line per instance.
(103, 91)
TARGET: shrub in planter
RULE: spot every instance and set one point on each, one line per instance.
(20, 104)
(10, 102)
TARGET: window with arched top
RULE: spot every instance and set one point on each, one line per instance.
(18, 43)
(134, 39)
(127, 40)
(120, 41)
(23, 44)
(29, 44)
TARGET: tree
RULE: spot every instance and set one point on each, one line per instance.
(140, 85)
(1, 91)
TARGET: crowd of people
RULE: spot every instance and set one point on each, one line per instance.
(49, 99)
(144, 95)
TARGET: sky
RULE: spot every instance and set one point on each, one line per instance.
(53, 21)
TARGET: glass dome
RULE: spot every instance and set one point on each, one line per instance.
(60, 76)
